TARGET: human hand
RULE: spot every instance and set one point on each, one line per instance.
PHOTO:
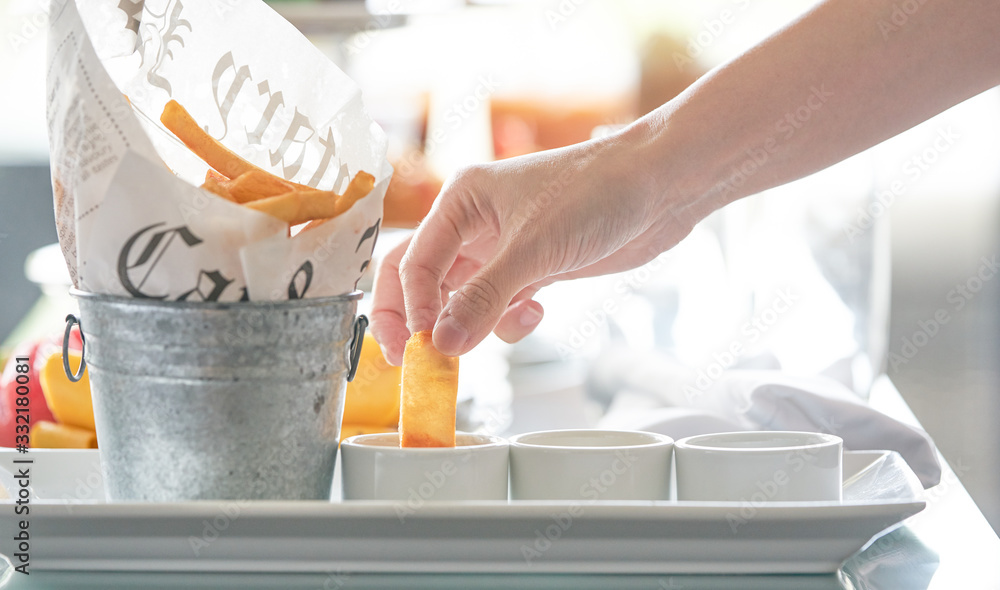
(499, 232)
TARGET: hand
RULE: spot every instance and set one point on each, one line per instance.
(499, 232)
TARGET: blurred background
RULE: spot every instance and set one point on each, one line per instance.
(872, 249)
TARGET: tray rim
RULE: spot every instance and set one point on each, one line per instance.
(782, 540)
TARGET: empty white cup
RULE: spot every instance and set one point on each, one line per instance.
(765, 466)
(374, 467)
(590, 465)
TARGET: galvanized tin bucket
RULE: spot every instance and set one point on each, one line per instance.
(197, 400)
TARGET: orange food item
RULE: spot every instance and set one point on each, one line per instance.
(70, 402)
(182, 124)
(237, 180)
(349, 430)
(256, 184)
(410, 196)
(429, 393)
(373, 397)
(49, 435)
(217, 187)
(525, 125)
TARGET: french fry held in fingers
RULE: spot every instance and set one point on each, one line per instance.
(429, 392)
(182, 124)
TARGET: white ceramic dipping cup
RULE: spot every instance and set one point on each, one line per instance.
(590, 465)
(765, 466)
(374, 467)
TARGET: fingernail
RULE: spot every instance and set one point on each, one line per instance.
(530, 316)
(450, 336)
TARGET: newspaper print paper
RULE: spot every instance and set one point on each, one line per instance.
(130, 217)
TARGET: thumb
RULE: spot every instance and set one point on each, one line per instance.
(476, 307)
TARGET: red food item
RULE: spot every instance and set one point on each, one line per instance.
(36, 351)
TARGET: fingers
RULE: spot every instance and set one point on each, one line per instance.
(388, 324)
(431, 254)
(477, 306)
(462, 270)
(519, 320)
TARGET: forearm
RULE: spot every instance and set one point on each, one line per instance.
(842, 78)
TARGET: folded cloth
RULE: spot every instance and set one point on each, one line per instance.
(635, 411)
(772, 400)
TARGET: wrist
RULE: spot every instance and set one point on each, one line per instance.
(673, 169)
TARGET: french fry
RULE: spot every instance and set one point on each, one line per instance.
(429, 393)
(218, 188)
(70, 401)
(309, 205)
(298, 206)
(182, 124)
(49, 435)
(348, 430)
(360, 185)
(238, 180)
(257, 184)
(213, 174)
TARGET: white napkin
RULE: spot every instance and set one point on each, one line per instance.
(763, 400)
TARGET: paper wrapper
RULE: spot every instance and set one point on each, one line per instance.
(130, 216)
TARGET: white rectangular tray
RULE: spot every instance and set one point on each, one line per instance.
(73, 528)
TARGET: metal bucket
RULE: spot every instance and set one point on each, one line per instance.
(197, 400)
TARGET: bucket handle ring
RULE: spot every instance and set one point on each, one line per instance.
(360, 325)
(74, 377)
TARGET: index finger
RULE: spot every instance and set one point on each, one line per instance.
(432, 252)
(388, 324)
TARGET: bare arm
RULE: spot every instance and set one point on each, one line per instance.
(843, 77)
